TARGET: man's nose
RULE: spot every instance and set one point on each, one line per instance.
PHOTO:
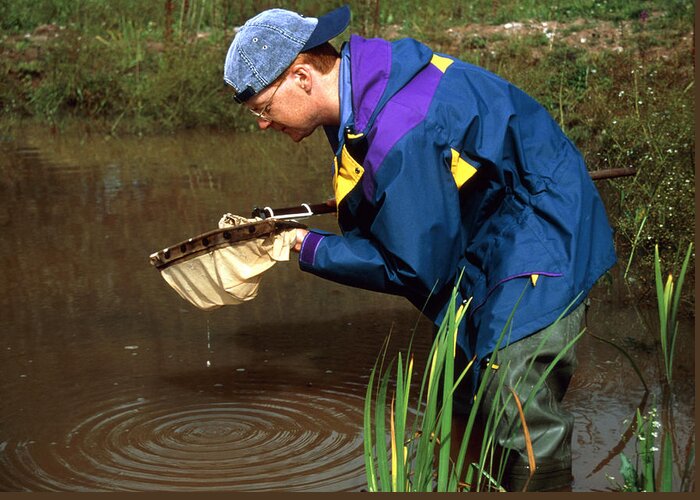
(263, 124)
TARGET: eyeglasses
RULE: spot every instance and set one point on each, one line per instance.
(263, 115)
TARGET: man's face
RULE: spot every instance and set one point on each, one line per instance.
(284, 107)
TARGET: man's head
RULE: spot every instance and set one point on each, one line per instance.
(267, 44)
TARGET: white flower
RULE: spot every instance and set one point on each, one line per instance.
(654, 448)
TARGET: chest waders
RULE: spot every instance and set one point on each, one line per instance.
(550, 426)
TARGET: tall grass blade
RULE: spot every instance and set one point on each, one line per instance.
(423, 476)
(409, 443)
(446, 411)
(666, 465)
(492, 482)
(494, 418)
(674, 311)
(457, 471)
(634, 246)
(380, 435)
(681, 279)
(660, 298)
(394, 459)
(399, 419)
(368, 447)
(382, 465)
(528, 441)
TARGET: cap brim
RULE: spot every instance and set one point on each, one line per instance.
(329, 26)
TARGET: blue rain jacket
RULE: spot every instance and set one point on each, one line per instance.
(444, 169)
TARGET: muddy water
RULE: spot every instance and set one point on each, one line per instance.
(110, 381)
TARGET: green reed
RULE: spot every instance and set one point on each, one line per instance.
(651, 469)
(641, 474)
(668, 300)
(419, 455)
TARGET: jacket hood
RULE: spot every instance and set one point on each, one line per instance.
(380, 69)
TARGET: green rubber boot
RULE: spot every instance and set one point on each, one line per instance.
(550, 427)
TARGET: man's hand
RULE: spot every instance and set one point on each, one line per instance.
(301, 234)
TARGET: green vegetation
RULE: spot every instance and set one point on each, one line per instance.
(641, 475)
(651, 469)
(618, 75)
(421, 454)
(668, 296)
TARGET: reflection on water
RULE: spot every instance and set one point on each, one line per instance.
(110, 381)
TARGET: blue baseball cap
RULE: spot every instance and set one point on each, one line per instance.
(268, 43)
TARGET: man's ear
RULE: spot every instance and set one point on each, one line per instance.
(303, 76)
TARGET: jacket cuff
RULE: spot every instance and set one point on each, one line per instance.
(309, 246)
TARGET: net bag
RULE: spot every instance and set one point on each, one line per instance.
(225, 266)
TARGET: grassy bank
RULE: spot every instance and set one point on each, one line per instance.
(143, 66)
(618, 75)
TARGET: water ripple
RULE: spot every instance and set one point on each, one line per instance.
(261, 441)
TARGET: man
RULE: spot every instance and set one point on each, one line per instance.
(443, 173)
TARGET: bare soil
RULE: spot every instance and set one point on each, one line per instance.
(594, 36)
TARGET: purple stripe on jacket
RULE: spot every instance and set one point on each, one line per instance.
(515, 276)
(371, 60)
(402, 113)
(307, 253)
(370, 69)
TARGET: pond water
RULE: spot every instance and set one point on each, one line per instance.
(110, 381)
